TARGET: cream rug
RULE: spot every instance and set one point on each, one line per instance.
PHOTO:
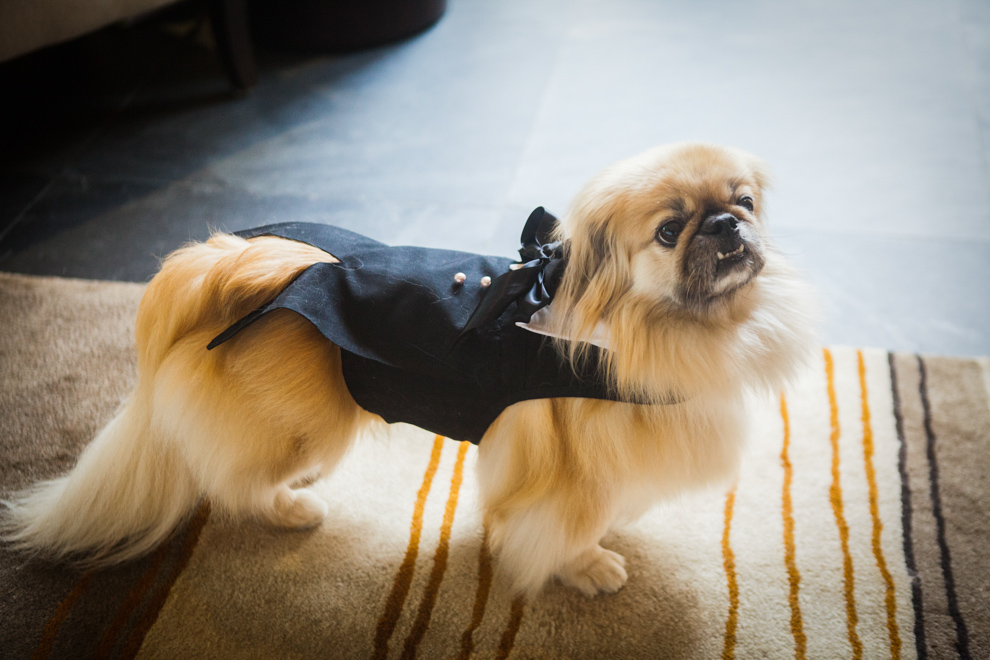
(858, 529)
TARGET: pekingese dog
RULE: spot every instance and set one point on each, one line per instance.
(669, 271)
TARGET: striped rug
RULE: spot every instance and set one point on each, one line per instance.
(858, 529)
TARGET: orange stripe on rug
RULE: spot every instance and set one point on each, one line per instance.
(131, 602)
(439, 561)
(871, 480)
(729, 561)
(403, 578)
(790, 552)
(835, 497)
(150, 615)
(509, 636)
(480, 599)
(48, 635)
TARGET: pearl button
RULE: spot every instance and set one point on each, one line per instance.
(459, 278)
(485, 281)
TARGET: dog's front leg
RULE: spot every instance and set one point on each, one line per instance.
(548, 493)
(556, 537)
(595, 571)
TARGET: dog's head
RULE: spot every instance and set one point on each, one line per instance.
(668, 250)
(680, 227)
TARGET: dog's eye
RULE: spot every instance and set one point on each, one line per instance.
(746, 202)
(669, 231)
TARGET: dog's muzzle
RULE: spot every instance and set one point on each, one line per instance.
(721, 231)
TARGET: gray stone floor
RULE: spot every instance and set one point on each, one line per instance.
(874, 115)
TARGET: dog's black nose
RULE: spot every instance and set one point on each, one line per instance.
(716, 224)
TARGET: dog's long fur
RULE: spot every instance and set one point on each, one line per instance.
(244, 423)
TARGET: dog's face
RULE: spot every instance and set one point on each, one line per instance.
(707, 230)
(679, 225)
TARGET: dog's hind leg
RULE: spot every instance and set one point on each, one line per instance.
(258, 415)
(298, 508)
(279, 506)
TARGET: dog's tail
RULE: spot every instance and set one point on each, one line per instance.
(208, 286)
(132, 486)
(125, 495)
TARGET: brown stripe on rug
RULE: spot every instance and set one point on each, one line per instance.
(958, 426)
(480, 600)
(403, 578)
(108, 609)
(945, 559)
(148, 617)
(907, 509)
(128, 608)
(429, 599)
(508, 640)
(44, 648)
(940, 634)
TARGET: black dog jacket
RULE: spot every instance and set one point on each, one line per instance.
(417, 345)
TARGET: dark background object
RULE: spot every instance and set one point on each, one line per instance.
(340, 25)
(119, 147)
(230, 30)
(229, 19)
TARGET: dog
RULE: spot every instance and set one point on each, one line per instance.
(670, 276)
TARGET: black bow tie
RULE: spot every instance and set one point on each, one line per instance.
(531, 284)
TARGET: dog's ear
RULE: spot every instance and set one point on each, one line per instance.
(759, 173)
(596, 255)
(598, 271)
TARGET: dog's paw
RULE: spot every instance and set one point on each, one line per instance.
(299, 509)
(596, 571)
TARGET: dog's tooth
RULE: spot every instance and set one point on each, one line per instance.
(720, 256)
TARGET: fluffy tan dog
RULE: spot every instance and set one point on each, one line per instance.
(668, 259)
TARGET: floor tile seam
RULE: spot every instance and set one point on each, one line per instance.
(24, 211)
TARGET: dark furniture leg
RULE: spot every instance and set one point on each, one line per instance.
(230, 28)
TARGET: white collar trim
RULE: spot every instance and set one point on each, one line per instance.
(540, 324)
